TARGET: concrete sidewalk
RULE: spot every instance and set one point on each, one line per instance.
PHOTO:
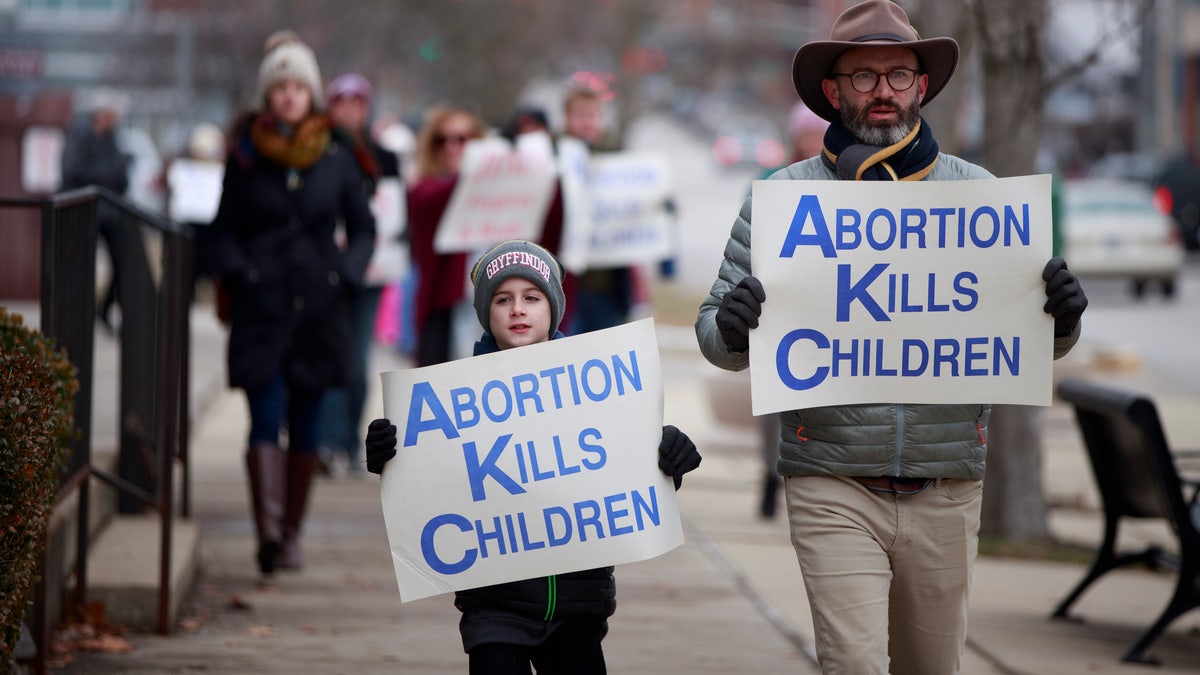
(730, 600)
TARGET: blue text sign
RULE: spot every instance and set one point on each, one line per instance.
(926, 292)
(528, 462)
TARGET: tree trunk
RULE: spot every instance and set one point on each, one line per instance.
(946, 115)
(1013, 502)
(1010, 44)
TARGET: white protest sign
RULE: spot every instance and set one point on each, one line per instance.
(922, 292)
(390, 259)
(195, 190)
(502, 193)
(528, 462)
(41, 159)
(573, 161)
(630, 221)
(388, 207)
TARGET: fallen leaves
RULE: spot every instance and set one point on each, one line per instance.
(262, 631)
(238, 604)
(90, 633)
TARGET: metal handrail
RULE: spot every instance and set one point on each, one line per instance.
(154, 379)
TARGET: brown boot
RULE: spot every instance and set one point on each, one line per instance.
(266, 470)
(301, 466)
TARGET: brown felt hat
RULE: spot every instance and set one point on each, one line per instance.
(875, 22)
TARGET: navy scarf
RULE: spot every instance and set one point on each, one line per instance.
(487, 344)
(910, 159)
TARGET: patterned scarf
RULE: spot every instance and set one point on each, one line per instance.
(300, 149)
(357, 142)
(910, 159)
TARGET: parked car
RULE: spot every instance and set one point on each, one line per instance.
(1115, 228)
(1139, 166)
(749, 143)
(1176, 181)
(1180, 178)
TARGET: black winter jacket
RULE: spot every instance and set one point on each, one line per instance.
(93, 159)
(586, 593)
(289, 281)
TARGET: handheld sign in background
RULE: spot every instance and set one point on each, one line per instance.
(502, 193)
(528, 462)
(923, 292)
(195, 189)
(573, 167)
(390, 260)
(630, 221)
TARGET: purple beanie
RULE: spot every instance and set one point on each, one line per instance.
(350, 84)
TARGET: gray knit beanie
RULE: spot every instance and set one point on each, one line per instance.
(290, 59)
(518, 258)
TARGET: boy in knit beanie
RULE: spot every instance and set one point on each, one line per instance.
(519, 300)
(503, 278)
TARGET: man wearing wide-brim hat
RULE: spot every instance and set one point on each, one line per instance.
(883, 499)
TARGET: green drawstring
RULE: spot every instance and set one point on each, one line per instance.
(551, 596)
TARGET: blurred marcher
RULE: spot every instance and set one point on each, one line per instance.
(806, 136)
(397, 138)
(883, 498)
(806, 133)
(441, 277)
(526, 119)
(583, 117)
(341, 409)
(91, 156)
(394, 325)
(601, 297)
(287, 186)
(194, 193)
(531, 119)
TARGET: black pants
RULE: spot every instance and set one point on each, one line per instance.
(572, 649)
(108, 232)
(437, 335)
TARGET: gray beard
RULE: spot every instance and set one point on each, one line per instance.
(880, 136)
(855, 121)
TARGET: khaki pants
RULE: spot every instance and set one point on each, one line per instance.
(886, 575)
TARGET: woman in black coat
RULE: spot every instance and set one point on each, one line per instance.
(286, 187)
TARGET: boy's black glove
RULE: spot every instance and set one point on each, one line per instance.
(677, 454)
(1065, 300)
(739, 312)
(381, 444)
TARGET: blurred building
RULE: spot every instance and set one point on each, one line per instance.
(1139, 95)
(719, 65)
(179, 61)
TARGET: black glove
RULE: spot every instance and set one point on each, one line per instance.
(677, 454)
(739, 312)
(1065, 300)
(381, 444)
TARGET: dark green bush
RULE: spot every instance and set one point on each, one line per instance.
(37, 386)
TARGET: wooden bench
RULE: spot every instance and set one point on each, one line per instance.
(1136, 476)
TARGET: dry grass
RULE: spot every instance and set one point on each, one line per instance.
(1027, 549)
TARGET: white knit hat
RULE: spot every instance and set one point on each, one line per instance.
(290, 60)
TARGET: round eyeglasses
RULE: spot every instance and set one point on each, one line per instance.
(865, 81)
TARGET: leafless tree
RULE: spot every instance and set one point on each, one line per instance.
(946, 113)
(479, 54)
(1010, 37)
